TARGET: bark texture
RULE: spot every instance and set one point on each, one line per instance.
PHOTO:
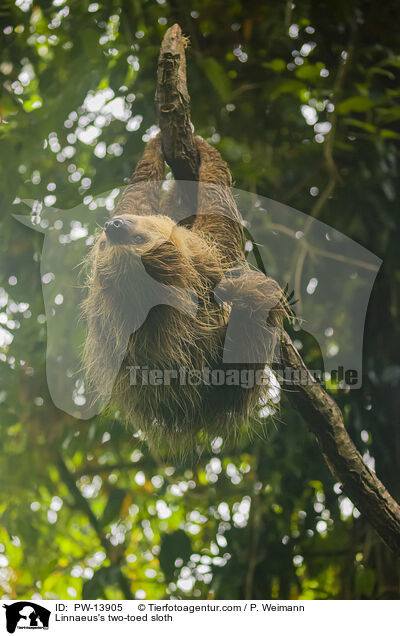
(173, 103)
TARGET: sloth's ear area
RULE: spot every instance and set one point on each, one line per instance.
(165, 264)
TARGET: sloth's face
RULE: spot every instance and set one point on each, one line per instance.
(128, 243)
(134, 235)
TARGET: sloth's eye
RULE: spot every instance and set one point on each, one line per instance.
(138, 238)
(102, 245)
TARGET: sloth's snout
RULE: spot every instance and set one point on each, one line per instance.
(116, 230)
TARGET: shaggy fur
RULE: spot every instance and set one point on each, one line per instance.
(187, 261)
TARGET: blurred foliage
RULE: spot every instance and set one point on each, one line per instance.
(302, 101)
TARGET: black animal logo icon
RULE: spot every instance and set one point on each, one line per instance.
(27, 615)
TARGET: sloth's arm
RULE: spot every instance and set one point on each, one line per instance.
(142, 195)
(255, 293)
(255, 321)
(217, 213)
(151, 166)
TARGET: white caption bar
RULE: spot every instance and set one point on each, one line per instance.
(175, 618)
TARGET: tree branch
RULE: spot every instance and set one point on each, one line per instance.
(173, 102)
(325, 421)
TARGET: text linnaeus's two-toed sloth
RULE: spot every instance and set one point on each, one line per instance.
(178, 323)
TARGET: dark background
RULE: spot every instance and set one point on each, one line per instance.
(86, 509)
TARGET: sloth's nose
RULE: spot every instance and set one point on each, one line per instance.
(116, 230)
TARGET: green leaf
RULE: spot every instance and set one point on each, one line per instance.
(218, 78)
(289, 86)
(389, 134)
(7, 106)
(358, 104)
(113, 506)
(311, 72)
(277, 65)
(360, 124)
(105, 577)
(365, 581)
(382, 71)
(175, 545)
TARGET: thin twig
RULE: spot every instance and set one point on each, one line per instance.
(333, 174)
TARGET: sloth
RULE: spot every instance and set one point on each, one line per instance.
(178, 323)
